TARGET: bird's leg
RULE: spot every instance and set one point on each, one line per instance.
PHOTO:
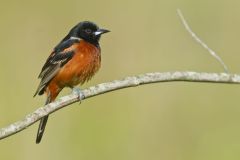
(78, 91)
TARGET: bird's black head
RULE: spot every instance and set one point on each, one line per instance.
(87, 31)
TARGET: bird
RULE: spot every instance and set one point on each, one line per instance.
(73, 61)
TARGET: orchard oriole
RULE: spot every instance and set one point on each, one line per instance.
(73, 61)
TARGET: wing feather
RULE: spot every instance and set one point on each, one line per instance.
(53, 64)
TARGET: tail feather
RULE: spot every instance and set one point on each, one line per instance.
(42, 124)
(41, 129)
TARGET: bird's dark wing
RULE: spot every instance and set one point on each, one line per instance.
(58, 58)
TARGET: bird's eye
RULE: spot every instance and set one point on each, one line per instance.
(88, 31)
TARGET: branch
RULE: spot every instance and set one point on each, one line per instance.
(116, 85)
(198, 40)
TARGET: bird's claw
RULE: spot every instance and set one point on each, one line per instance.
(79, 93)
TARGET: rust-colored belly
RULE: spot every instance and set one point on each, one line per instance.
(83, 65)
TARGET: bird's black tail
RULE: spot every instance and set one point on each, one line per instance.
(42, 124)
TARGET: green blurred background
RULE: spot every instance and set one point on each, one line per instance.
(170, 121)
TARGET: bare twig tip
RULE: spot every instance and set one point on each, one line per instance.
(198, 40)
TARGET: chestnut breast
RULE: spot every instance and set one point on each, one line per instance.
(83, 65)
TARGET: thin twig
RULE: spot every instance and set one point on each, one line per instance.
(198, 40)
(116, 85)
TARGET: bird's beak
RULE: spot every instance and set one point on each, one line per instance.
(101, 31)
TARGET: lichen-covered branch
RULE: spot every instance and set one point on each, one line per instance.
(116, 85)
